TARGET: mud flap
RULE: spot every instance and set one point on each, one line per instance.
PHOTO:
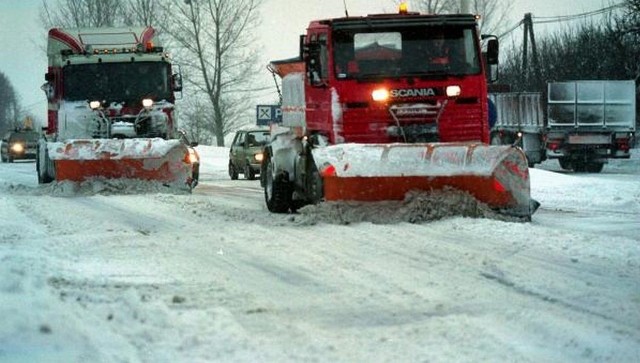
(495, 175)
(165, 161)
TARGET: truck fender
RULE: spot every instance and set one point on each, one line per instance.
(284, 150)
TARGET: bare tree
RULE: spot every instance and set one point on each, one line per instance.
(9, 108)
(100, 13)
(81, 13)
(143, 12)
(216, 50)
(493, 13)
(433, 6)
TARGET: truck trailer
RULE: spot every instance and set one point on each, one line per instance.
(581, 123)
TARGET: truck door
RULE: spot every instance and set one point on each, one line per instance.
(318, 89)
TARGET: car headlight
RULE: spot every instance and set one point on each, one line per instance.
(18, 148)
(258, 157)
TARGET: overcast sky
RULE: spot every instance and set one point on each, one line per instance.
(22, 37)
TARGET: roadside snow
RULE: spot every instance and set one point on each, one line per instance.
(150, 276)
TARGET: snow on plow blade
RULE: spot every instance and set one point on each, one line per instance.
(157, 159)
(495, 175)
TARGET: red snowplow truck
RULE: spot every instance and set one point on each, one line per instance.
(111, 110)
(381, 105)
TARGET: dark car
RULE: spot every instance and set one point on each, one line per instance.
(246, 153)
(19, 145)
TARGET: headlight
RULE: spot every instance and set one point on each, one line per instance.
(259, 157)
(453, 91)
(94, 105)
(193, 157)
(147, 103)
(380, 95)
(18, 148)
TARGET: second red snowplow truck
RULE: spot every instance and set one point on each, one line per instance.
(381, 105)
(111, 110)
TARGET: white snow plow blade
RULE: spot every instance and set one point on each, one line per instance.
(495, 175)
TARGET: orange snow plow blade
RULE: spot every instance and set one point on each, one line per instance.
(165, 161)
(495, 175)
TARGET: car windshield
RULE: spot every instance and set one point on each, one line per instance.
(406, 51)
(117, 82)
(258, 138)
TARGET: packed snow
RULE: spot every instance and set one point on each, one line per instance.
(98, 273)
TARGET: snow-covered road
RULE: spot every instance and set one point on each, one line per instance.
(214, 277)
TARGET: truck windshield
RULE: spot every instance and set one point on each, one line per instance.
(25, 136)
(405, 51)
(117, 82)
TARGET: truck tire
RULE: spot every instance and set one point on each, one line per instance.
(579, 166)
(565, 163)
(594, 167)
(277, 189)
(44, 168)
(496, 140)
(233, 173)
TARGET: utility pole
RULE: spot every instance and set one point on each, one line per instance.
(529, 35)
(465, 7)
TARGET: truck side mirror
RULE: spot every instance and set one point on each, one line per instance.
(492, 51)
(176, 80)
(49, 90)
(48, 77)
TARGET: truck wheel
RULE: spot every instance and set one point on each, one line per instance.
(496, 140)
(43, 168)
(565, 164)
(233, 173)
(277, 190)
(248, 172)
(579, 167)
(594, 167)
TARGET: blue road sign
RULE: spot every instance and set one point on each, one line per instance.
(268, 114)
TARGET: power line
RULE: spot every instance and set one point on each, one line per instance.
(557, 19)
(510, 30)
(562, 18)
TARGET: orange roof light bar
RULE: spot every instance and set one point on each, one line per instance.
(403, 8)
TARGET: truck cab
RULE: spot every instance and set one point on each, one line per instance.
(373, 79)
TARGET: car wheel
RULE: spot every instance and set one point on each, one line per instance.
(248, 172)
(233, 173)
(277, 190)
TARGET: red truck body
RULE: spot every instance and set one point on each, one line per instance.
(111, 111)
(380, 105)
